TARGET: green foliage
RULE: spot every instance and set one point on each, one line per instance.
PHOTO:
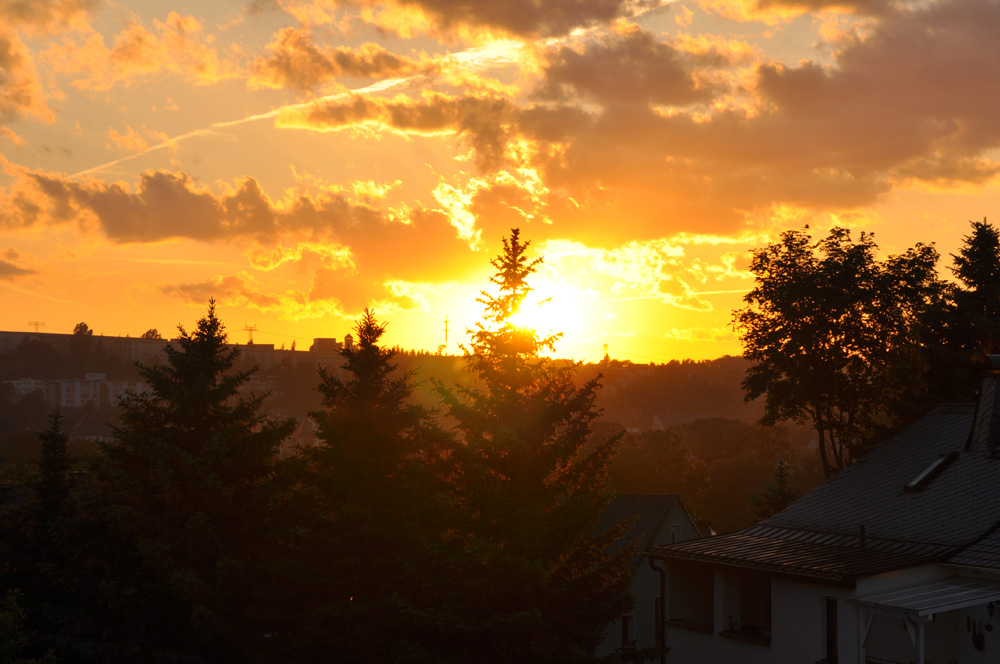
(151, 333)
(189, 479)
(833, 334)
(531, 483)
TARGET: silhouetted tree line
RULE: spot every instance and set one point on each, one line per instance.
(394, 539)
(858, 346)
(730, 473)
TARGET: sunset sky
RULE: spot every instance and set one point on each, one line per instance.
(299, 161)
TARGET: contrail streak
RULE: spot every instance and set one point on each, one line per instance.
(481, 57)
(24, 291)
(211, 129)
(484, 56)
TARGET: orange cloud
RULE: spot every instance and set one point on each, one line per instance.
(177, 46)
(295, 61)
(21, 93)
(135, 141)
(46, 16)
(349, 251)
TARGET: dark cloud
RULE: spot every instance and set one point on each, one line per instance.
(168, 205)
(908, 101)
(379, 248)
(10, 271)
(867, 7)
(486, 121)
(257, 7)
(913, 90)
(221, 289)
(623, 68)
(44, 14)
(530, 18)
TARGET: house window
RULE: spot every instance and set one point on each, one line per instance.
(692, 595)
(746, 603)
(675, 533)
(628, 630)
(755, 605)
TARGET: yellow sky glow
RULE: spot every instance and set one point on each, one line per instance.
(301, 160)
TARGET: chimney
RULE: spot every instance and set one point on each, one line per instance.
(985, 434)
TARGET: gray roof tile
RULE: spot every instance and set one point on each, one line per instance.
(954, 517)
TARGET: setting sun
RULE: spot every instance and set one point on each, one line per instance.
(552, 309)
(300, 161)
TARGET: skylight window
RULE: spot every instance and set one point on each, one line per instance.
(930, 472)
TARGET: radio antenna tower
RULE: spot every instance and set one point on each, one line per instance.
(250, 329)
(36, 324)
(446, 330)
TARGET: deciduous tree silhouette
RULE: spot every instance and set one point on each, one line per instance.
(833, 333)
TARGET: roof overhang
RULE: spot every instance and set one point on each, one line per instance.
(921, 602)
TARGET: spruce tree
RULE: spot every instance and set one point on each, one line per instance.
(52, 490)
(369, 510)
(188, 482)
(977, 298)
(530, 480)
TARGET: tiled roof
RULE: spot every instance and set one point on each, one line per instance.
(956, 512)
(983, 553)
(827, 556)
(956, 507)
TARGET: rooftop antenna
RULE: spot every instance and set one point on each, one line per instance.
(36, 324)
(250, 329)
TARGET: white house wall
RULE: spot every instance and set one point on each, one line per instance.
(798, 624)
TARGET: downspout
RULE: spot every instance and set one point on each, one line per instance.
(661, 628)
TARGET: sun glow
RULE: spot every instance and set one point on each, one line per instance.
(552, 309)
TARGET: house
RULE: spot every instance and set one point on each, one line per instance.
(659, 519)
(894, 559)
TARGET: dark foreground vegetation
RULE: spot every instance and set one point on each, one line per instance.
(450, 517)
(188, 538)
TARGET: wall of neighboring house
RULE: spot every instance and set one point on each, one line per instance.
(676, 526)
